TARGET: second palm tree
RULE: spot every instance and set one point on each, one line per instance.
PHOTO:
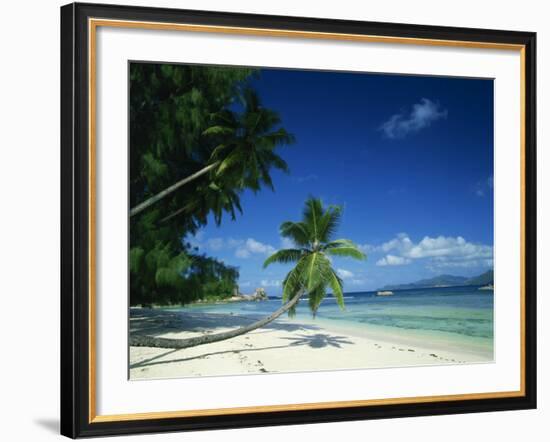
(312, 274)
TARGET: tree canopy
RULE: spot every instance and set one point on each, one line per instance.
(184, 119)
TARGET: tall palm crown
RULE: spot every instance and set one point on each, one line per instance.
(313, 273)
(242, 157)
(246, 151)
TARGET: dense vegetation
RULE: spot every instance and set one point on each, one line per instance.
(204, 128)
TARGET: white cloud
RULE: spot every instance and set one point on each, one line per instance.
(232, 243)
(444, 251)
(344, 274)
(215, 244)
(392, 260)
(484, 187)
(258, 247)
(401, 242)
(287, 243)
(244, 248)
(242, 253)
(366, 248)
(422, 115)
(270, 283)
(196, 239)
(449, 247)
(251, 246)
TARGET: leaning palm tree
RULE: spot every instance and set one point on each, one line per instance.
(312, 274)
(245, 152)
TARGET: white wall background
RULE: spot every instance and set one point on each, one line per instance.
(29, 219)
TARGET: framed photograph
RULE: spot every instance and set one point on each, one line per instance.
(275, 220)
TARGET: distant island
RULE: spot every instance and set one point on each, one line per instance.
(485, 279)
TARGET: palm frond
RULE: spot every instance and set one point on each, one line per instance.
(266, 178)
(347, 252)
(315, 298)
(313, 212)
(218, 152)
(251, 99)
(284, 256)
(292, 310)
(294, 281)
(329, 222)
(230, 161)
(336, 285)
(275, 160)
(297, 232)
(281, 136)
(218, 130)
(317, 270)
(339, 243)
(312, 277)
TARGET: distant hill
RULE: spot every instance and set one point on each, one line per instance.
(444, 281)
(483, 279)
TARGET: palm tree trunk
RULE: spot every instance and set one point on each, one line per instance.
(150, 341)
(150, 201)
(172, 215)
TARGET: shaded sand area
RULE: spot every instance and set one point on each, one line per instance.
(285, 345)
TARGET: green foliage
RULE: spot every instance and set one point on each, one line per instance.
(246, 144)
(170, 108)
(313, 273)
(182, 119)
(343, 247)
(284, 256)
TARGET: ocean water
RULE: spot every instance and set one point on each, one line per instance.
(454, 318)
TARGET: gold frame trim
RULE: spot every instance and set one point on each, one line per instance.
(93, 24)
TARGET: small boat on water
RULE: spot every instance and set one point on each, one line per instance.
(487, 287)
(384, 293)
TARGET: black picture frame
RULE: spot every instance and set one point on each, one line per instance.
(75, 247)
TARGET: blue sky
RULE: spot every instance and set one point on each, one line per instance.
(409, 158)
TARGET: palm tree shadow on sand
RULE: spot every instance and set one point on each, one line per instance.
(318, 340)
(157, 322)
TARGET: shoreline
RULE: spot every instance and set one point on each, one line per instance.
(284, 346)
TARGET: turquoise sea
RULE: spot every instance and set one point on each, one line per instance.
(454, 318)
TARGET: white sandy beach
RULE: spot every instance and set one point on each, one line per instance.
(286, 345)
